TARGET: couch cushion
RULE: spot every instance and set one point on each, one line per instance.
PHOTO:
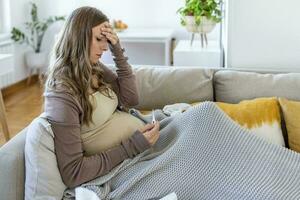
(43, 180)
(234, 86)
(261, 116)
(12, 170)
(291, 112)
(159, 86)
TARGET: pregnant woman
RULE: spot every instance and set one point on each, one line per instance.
(84, 101)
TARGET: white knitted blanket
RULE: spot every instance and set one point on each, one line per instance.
(203, 154)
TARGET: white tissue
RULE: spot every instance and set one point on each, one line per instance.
(176, 108)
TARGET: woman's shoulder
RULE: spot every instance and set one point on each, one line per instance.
(61, 94)
(61, 106)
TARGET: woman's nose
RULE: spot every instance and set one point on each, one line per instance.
(104, 46)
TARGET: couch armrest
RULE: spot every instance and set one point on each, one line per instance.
(12, 167)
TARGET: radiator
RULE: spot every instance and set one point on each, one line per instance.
(6, 64)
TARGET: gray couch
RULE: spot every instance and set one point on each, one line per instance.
(159, 86)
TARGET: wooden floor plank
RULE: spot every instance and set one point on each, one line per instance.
(21, 108)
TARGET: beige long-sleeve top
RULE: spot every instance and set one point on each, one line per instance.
(64, 114)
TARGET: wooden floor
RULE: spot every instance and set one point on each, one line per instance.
(21, 108)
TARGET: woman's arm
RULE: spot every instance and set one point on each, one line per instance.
(63, 112)
(124, 83)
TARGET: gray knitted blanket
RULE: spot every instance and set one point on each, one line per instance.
(203, 154)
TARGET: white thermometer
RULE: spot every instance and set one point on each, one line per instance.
(153, 117)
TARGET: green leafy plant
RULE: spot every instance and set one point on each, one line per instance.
(211, 9)
(36, 29)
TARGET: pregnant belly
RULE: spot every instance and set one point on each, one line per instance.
(119, 127)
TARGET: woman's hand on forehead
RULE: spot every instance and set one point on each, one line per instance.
(106, 27)
(108, 32)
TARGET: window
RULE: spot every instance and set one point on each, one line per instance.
(1, 16)
(4, 17)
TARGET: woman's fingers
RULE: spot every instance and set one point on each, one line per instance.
(113, 39)
(108, 30)
(146, 127)
(157, 124)
(110, 34)
(153, 134)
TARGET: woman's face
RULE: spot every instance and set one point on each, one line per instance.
(99, 43)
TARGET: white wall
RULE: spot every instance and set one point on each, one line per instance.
(264, 34)
(20, 12)
(136, 13)
(56, 7)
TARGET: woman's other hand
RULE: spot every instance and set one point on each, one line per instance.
(109, 33)
(151, 132)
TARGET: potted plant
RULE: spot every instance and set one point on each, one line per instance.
(33, 37)
(200, 16)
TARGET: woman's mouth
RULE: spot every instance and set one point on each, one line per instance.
(99, 55)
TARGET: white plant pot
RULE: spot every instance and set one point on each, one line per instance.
(35, 60)
(205, 26)
(190, 24)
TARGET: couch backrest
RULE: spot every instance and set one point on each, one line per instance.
(159, 86)
(234, 86)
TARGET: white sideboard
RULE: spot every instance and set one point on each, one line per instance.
(187, 55)
(145, 46)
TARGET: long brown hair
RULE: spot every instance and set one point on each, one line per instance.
(71, 67)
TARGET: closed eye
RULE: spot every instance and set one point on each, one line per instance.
(98, 39)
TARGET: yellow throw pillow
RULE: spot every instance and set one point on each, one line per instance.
(145, 112)
(291, 113)
(261, 116)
